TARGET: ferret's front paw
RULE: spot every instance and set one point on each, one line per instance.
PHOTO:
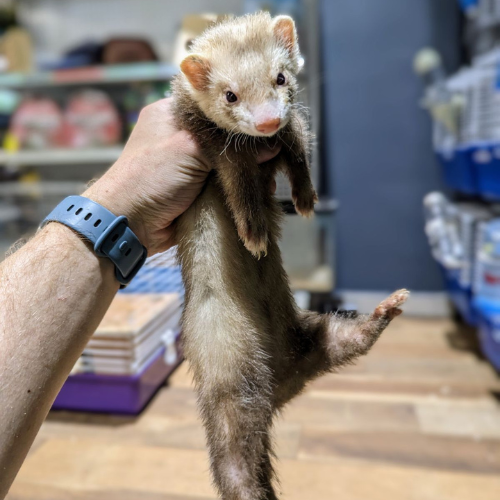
(390, 307)
(304, 201)
(255, 237)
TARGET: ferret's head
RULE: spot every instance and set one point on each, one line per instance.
(242, 73)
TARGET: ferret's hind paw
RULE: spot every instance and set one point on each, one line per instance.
(390, 307)
(304, 202)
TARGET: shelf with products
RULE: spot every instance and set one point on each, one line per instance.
(464, 238)
(105, 74)
(41, 188)
(464, 230)
(130, 87)
(60, 157)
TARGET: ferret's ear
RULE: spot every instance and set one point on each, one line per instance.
(197, 69)
(284, 30)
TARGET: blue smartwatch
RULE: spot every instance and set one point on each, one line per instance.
(110, 235)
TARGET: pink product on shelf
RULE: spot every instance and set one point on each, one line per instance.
(91, 120)
(38, 123)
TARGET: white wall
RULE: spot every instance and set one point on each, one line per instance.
(58, 25)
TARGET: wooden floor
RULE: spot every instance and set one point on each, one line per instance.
(419, 418)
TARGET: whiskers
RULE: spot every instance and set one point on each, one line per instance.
(242, 142)
(304, 111)
(228, 142)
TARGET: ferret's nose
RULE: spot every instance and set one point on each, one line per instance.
(268, 126)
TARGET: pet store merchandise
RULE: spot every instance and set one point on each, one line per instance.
(465, 108)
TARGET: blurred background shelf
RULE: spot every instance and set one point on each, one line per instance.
(44, 188)
(110, 74)
(71, 99)
(58, 157)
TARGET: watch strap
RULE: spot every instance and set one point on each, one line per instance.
(109, 234)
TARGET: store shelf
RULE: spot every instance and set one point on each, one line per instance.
(111, 74)
(57, 157)
(8, 213)
(44, 188)
(321, 280)
(487, 22)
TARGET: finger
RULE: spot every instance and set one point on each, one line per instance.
(266, 153)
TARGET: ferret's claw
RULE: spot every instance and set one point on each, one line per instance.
(254, 235)
(304, 202)
(257, 247)
(389, 308)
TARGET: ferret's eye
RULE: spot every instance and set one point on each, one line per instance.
(281, 80)
(231, 97)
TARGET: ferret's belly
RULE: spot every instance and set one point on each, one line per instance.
(226, 322)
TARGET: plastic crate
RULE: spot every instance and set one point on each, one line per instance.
(461, 296)
(486, 164)
(128, 393)
(488, 312)
(458, 170)
(114, 393)
(468, 5)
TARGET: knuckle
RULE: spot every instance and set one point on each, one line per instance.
(162, 105)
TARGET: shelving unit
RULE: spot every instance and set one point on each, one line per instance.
(44, 188)
(60, 157)
(65, 171)
(464, 228)
(102, 75)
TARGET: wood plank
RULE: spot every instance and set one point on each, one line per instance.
(351, 415)
(86, 466)
(315, 480)
(182, 377)
(396, 386)
(438, 371)
(159, 430)
(21, 491)
(408, 449)
(479, 423)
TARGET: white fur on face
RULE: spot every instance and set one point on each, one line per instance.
(246, 57)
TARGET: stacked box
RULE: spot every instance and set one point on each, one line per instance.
(135, 347)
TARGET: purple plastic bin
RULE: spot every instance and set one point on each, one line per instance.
(115, 393)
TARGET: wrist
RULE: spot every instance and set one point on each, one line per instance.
(110, 235)
(116, 199)
(65, 241)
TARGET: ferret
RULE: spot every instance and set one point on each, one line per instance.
(250, 348)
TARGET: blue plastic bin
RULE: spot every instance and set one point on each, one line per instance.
(488, 312)
(460, 296)
(468, 5)
(458, 170)
(486, 164)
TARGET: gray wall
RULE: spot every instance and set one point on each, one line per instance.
(377, 141)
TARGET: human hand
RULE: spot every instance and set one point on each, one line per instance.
(159, 174)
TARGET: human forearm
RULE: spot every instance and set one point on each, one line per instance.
(54, 292)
